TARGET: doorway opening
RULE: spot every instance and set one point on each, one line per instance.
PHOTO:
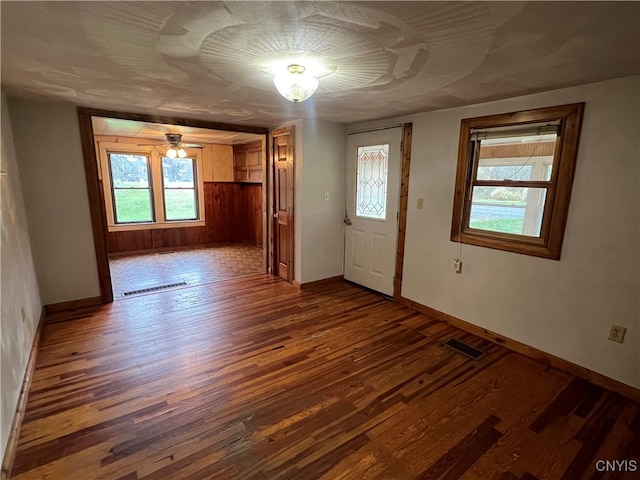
(174, 202)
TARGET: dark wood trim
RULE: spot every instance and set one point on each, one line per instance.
(407, 131)
(96, 206)
(72, 305)
(270, 205)
(264, 221)
(318, 283)
(16, 424)
(528, 351)
(94, 190)
(549, 245)
(275, 259)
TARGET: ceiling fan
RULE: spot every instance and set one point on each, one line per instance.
(176, 147)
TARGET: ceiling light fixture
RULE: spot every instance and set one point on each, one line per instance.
(175, 149)
(295, 85)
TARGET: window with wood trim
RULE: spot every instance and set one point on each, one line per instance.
(513, 180)
(132, 197)
(143, 189)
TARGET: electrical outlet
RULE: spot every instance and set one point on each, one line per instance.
(326, 196)
(616, 333)
(457, 265)
(420, 203)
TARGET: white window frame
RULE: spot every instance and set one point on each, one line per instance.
(155, 155)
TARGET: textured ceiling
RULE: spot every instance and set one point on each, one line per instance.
(156, 132)
(214, 60)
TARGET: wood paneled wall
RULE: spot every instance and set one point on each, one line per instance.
(233, 214)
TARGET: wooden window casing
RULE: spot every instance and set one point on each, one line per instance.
(548, 243)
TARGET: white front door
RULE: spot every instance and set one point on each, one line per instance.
(373, 198)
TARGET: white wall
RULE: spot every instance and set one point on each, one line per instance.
(49, 154)
(319, 159)
(18, 285)
(561, 307)
(322, 226)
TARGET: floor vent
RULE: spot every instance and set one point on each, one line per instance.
(154, 289)
(464, 349)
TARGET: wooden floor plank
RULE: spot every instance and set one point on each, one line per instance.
(253, 378)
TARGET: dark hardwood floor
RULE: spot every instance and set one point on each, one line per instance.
(252, 378)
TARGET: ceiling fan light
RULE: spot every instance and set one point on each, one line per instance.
(182, 153)
(295, 85)
(172, 153)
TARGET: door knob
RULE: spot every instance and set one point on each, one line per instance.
(275, 215)
(347, 220)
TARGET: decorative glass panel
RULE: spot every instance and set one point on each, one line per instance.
(180, 200)
(131, 192)
(371, 181)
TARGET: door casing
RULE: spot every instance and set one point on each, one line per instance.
(282, 262)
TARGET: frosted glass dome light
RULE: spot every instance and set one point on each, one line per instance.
(295, 85)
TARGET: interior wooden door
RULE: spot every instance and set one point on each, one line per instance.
(373, 196)
(283, 202)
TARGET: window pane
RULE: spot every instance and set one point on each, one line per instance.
(371, 182)
(514, 210)
(131, 192)
(129, 171)
(180, 204)
(132, 205)
(487, 170)
(523, 157)
(178, 172)
(180, 200)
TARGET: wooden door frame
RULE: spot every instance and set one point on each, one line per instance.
(273, 258)
(94, 189)
(407, 130)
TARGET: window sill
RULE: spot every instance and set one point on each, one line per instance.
(154, 226)
(527, 246)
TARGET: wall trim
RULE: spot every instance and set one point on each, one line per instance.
(407, 133)
(72, 305)
(318, 283)
(18, 416)
(528, 351)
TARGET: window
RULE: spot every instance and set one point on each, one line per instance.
(180, 195)
(144, 189)
(513, 180)
(131, 188)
